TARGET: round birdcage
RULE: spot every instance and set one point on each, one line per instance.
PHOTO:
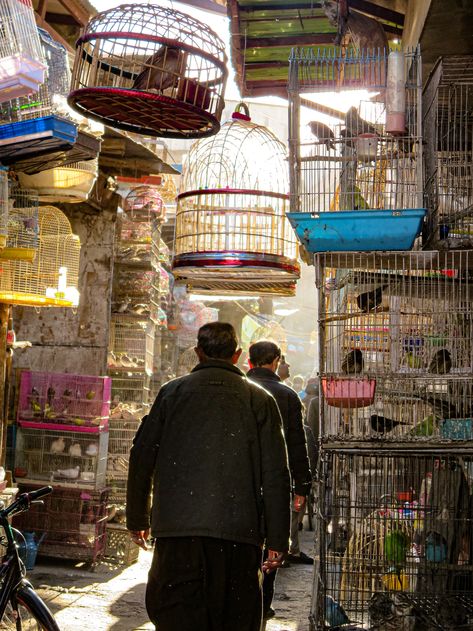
(151, 70)
(167, 189)
(230, 219)
(21, 58)
(71, 183)
(22, 225)
(144, 203)
(52, 278)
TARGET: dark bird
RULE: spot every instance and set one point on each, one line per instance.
(440, 407)
(346, 138)
(51, 393)
(384, 425)
(356, 125)
(161, 70)
(323, 133)
(353, 362)
(369, 300)
(441, 363)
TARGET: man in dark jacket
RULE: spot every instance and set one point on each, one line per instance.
(212, 452)
(264, 358)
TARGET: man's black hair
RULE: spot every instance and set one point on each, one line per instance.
(217, 340)
(263, 353)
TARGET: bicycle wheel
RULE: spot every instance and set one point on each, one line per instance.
(30, 614)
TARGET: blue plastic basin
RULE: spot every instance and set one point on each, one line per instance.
(358, 230)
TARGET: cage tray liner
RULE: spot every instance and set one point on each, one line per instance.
(358, 230)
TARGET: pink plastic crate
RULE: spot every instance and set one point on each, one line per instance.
(348, 393)
(65, 400)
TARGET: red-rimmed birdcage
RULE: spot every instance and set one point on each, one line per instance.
(144, 203)
(230, 221)
(150, 70)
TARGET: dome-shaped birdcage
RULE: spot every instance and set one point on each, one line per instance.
(22, 225)
(230, 219)
(4, 205)
(144, 203)
(52, 278)
(150, 70)
(71, 183)
(21, 58)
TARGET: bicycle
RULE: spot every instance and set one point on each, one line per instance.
(21, 609)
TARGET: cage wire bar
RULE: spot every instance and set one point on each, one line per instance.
(363, 162)
(394, 542)
(448, 128)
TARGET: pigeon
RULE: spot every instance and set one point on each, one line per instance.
(370, 300)
(353, 362)
(323, 133)
(355, 125)
(70, 474)
(57, 446)
(160, 71)
(384, 425)
(75, 450)
(441, 363)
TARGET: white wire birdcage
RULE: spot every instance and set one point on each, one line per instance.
(144, 203)
(22, 64)
(52, 93)
(357, 183)
(151, 70)
(448, 131)
(52, 278)
(71, 183)
(230, 220)
(131, 344)
(4, 205)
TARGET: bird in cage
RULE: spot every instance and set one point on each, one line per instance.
(364, 32)
(58, 445)
(68, 474)
(353, 362)
(75, 450)
(355, 125)
(370, 300)
(441, 363)
(383, 425)
(161, 70)
(323, 133)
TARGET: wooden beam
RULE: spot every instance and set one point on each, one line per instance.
(41, 22)
(78, 13)
(291, 40)
(376, 11)
(281, 7)
(323, 109)
(61, 18)
(42, 6)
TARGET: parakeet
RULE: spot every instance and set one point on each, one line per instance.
(353, 362)
(369, 300)
(160, 71)
(355, 125)
(441, 363)
(384, 425)
(335, 615)
(323, 133)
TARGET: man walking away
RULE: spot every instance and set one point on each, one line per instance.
(212, 453)
(264, 358)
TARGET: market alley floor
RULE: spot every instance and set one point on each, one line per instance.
(112, 597)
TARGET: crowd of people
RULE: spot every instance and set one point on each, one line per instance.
(219, 475)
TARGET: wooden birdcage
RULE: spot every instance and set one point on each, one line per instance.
(150, 70)
(21, 58)
(52, 278)
(22, 227)
(4, 204)
(230, 219)
(144, 203)
(71, 183)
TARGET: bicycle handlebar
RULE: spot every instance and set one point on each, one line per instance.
(24, 501)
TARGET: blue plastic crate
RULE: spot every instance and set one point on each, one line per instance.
(358, 230)
(40, 127)
(457, 429)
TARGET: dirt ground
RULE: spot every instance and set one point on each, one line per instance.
(112, 597)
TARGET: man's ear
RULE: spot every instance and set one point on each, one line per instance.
(236, 355)
(200, 353)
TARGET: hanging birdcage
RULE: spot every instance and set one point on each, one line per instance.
(21, 58)
(150, 70)
(22, 237)
(230, 220)
(356, 184)
(4, 205)
(168, 190)
(53, 276)
(71, 183)
(144, 203)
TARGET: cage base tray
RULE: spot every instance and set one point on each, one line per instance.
(235, 265)
(358, 230)
(144, 112)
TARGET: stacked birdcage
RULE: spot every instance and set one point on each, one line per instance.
(393, 543)
(71, 183)
(138, 289)
(231, 230)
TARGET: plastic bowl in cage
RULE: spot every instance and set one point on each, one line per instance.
(71, 183)
(151, 70)
(144, 203)
(348, 393)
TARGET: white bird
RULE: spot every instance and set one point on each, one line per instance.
(58, 445)
(92, 449)
(70, 474)
(75, 450)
